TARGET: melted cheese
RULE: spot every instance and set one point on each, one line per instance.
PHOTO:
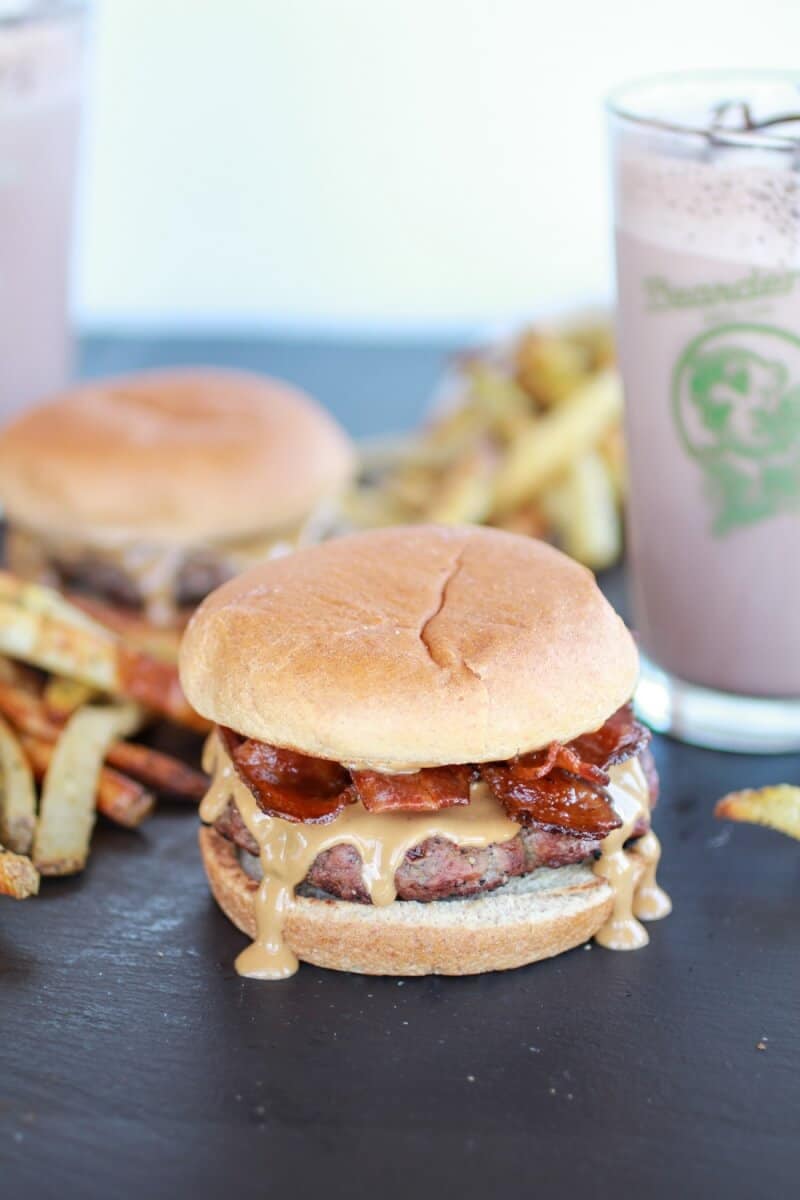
(288, 849)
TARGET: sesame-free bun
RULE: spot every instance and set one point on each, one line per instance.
(531, 917)
(185, 456)
(410, 647)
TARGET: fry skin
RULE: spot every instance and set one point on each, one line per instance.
(67, 809)
(18, 876)
(159, 771)
(777, 807)
(124, 801)
(17, 794)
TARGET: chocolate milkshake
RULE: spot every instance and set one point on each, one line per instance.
(707, 201)
(40, 85)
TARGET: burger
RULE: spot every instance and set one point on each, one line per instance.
(423, 758)
(148, 491)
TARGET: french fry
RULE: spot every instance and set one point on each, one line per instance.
(159, 771)
(19, 675)
(464, 493)
(543, 450)
(27, 713)
(587, 518)
(63, 696)
(370, 508)
(455, 431)
(596, 337)
(778, 807)
(17, 795)
(39, 626)
(498, 400)
(40, 728)
(18, 876)
(411, 488)
(378, 454)
(131, 627)
(124, 801)
(44, 601)
(550, 366)
(155, 685)
(531, 521)
(67, 810)
(51, 641)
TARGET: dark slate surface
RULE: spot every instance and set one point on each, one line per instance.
(135, 1062)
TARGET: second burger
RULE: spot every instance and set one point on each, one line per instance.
(145, 492)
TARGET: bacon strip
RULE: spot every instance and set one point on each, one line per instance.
(559, 788)
(618, 740)
(540, 763)
(557, 801)
(289, 785)
(428, 790)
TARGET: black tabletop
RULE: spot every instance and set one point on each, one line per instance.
(136, 1063)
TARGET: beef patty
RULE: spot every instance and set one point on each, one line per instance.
(195, 577)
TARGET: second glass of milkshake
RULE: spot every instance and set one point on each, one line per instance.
(707, 200)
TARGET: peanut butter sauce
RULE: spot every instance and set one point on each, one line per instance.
(287, 851)
(636, 893)
(651, 902)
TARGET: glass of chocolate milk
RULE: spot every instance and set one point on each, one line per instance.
(706, 171)
(40, 99)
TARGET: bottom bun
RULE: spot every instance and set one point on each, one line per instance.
(531, 917)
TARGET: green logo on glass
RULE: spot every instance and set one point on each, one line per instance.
(736, 400)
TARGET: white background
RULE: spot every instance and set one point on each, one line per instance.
(369, 164)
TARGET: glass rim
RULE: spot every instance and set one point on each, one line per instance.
(619, 105)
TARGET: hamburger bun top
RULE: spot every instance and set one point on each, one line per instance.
(409, 647)
(186, 456)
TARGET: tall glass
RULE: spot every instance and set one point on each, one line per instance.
(706, 171)
(40, 94)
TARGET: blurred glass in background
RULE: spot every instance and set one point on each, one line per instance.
(41, 49)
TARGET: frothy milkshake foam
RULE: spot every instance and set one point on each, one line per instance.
(731, 208)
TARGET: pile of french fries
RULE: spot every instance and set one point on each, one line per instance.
(71, 691)
(530, 441)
